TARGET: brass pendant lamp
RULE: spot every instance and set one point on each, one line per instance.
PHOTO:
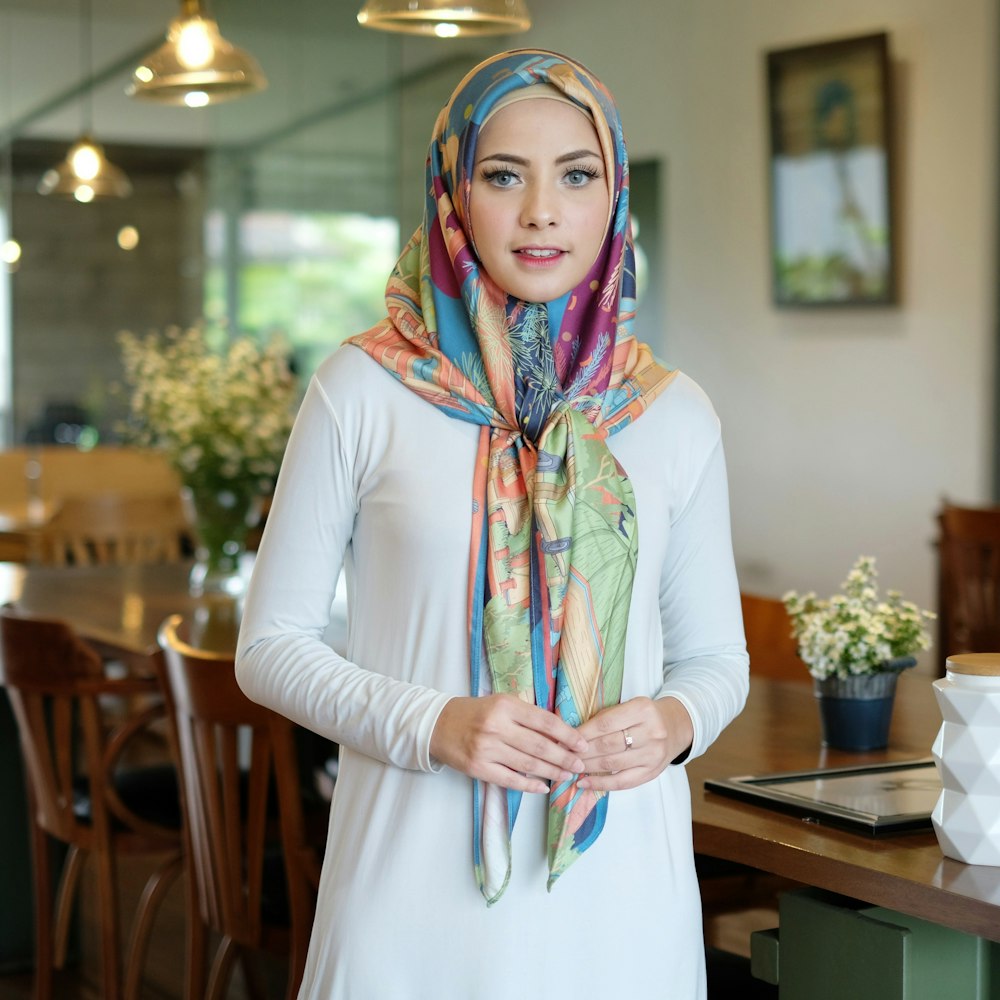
(195, 66)
(446, 18)
(86, 173)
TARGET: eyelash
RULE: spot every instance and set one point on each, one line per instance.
(490, 174)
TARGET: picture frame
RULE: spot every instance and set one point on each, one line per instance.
(831, 169)
(875, 799)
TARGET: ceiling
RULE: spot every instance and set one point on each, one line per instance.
(318, 60)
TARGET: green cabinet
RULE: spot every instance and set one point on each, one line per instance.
(829, 947)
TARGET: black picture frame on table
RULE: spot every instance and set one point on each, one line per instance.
(831, 174)
(876, 799)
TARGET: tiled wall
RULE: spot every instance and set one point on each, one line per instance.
(76, 287)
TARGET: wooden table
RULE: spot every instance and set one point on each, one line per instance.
(779, 731)
(120, 608)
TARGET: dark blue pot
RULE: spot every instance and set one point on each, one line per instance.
(855, 723)
(856, 712)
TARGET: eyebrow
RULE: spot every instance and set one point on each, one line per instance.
(521, 161)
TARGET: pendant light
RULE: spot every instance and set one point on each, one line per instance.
(195, 66)
(86, 173)
(446, 18)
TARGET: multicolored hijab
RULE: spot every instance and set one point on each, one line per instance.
(554, 535)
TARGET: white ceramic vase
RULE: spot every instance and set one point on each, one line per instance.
(966, 817)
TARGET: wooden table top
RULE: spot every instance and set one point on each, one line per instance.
(779, 731)
(120, 608)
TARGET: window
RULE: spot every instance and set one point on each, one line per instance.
(316, 278)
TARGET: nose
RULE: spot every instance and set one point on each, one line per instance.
(540, 207)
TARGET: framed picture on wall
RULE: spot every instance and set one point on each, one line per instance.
(831, 174)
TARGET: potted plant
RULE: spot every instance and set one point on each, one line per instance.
(855, 645)
(220, 408)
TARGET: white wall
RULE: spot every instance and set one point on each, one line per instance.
(843, 428)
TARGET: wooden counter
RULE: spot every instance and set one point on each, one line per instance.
(779, 731)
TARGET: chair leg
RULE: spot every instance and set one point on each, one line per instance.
(67, 897)
(222, 967)
(107, 895)
(194, 988)
(156, 887)
(252, 976)
(43, 913)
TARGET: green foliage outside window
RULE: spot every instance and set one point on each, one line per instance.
(317, 279)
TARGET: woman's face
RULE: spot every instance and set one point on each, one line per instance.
(539, 198)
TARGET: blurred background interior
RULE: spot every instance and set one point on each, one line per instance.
(283, 211)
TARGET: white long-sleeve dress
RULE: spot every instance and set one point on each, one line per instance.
(380, 481)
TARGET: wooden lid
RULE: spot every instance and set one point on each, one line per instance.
(980, 664)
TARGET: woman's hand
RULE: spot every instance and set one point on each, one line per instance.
(659, 731)
(507, 742)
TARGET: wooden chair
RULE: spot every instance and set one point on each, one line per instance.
(772, 648)
(254, 868)
(81, 793)
(112, 528)
(968, 549)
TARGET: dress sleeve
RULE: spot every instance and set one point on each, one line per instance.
(282, 660)
(705, 662)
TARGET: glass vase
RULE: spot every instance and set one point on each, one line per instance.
(222, 518)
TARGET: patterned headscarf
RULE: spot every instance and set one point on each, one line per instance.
(554, 537)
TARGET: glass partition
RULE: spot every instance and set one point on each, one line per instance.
(279, 213)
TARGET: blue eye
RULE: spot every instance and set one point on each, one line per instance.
(580, 176)
(500, 177)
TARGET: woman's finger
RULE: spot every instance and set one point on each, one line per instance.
(497, 774)
(625, 740)
(608, 724)
(630, 777)
(621, 759)
(479, 735)
(633, 742)
(548, 724)
(540, 748)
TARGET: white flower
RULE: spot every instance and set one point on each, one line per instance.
(220, 408)
(856, 632)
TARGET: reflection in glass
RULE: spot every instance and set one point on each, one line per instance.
(128, 237)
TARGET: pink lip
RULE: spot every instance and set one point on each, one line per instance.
(539, 262)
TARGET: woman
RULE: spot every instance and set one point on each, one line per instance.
(481, 461)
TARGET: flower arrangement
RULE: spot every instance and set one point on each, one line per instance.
(857, 632)
(220, 409)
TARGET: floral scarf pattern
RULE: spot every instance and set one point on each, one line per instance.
(554, 537)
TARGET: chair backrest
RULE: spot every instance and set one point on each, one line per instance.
(968, 546)
(772, 648)
(114, 529)
(45, 669)
(58, 691)
(239, 774)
